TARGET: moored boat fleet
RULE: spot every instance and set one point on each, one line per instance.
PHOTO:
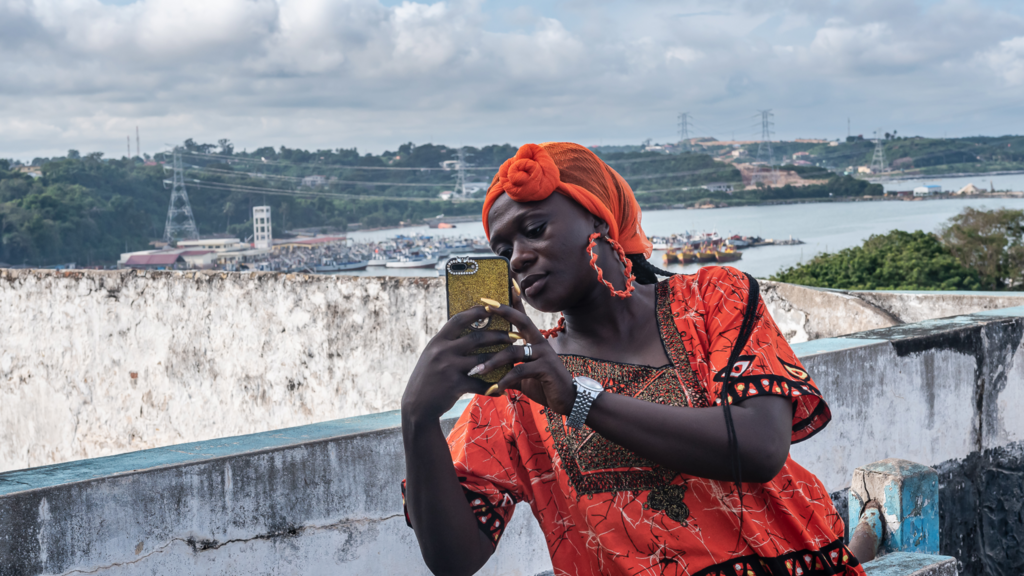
(431, 252)
(708, 247)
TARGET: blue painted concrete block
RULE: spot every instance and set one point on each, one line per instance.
(909, 496)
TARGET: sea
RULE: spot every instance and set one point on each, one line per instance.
(823, 227)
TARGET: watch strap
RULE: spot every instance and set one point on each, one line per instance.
(581, 407)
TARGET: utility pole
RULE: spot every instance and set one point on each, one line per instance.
(180, 223)
(460, 177)
(129, 139)
(684, 131)
(878, 160)
(764, 147)
(138, 148)
(847, 126)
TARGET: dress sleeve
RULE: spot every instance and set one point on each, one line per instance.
(487, 462)
(766, 366)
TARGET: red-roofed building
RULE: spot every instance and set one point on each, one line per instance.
(156, 261)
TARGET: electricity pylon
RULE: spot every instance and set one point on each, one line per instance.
(180, 223)
(878, 160)
(684, 131)
(460, 177)
(764, 147)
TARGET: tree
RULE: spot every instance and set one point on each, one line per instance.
(895, 261)
(226, 147)
(989, 242)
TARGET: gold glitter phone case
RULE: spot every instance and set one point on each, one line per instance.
(467, 280)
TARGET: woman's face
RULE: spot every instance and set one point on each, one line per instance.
(546, 242)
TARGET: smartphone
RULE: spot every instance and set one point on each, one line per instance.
(467, 280)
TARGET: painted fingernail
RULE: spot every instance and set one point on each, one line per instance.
(479, 368)
(491, 390)
(488, 309)
(514, 336)
(516, 286)
(490, 302)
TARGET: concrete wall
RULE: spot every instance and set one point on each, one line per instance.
(315, 499)
(805, 313)
(99, 363)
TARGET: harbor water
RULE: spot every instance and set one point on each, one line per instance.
(824, 227)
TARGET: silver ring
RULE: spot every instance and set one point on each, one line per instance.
(527, 352)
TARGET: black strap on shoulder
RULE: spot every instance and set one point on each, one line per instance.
(746, 329)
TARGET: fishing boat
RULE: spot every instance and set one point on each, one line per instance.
(413, 262)
(341, 266)
(728, 255)
(670, 257)
(705, 256)
(380, 260)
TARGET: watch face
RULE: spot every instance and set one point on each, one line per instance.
(589, 384)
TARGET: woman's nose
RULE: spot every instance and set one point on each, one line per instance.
(522, 258)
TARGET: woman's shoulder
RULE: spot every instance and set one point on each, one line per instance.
(709, 283)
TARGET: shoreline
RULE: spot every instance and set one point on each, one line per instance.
(890, 198)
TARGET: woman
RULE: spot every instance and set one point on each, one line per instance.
(614, 429)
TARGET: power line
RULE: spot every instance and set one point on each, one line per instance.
(330, 166)
(299, 179)
(305, 193)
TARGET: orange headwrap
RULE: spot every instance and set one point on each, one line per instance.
(574, 171)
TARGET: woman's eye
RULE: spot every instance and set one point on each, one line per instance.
(505, 253)
(535, 231)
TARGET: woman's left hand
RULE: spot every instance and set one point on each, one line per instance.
(542, 376)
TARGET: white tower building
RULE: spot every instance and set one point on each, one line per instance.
(262, 235)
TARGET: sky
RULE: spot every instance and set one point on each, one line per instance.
(374, 74)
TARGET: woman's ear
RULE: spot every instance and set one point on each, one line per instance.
(600, 226)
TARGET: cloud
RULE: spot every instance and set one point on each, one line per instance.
(328, 73)
(1007, 60)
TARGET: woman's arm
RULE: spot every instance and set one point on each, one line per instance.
(450, 539)
(693, 441)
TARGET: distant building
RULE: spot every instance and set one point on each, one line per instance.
(927, 190)
(314, 181)
(863, 170)
(445, 195)
(211, 244)
(800, 154)
(33, 171)
(718, 187)
(262, 233)
(156, 261)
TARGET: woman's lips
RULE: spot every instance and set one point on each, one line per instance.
(533, 284)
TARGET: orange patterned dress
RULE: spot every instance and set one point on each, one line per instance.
(606, 510)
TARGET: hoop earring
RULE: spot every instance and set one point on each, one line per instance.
(553, 332)
(622, 258)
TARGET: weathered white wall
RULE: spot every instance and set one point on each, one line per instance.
(98, 363)
(804, 313)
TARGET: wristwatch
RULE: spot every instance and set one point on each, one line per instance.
(587, 390)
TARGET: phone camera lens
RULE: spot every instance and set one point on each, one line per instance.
(458, 267)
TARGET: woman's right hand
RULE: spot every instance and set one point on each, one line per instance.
(440, 376)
